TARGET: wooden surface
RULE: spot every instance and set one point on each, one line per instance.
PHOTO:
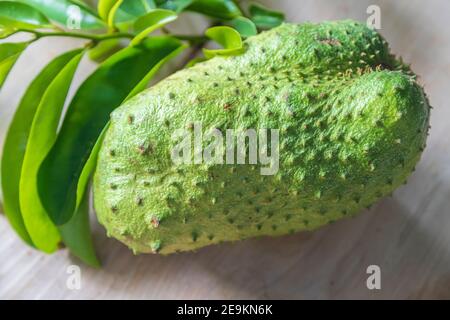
(407, 235)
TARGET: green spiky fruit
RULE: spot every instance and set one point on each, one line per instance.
(352, 124)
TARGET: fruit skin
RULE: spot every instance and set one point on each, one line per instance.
(353, 123)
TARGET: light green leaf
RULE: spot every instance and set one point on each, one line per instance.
(41, 138)
(20, 15)
(86, 117)
(228, 38)
(244, 26)
(112, 12)
(107, 10)
(265, 18)
(9, 53)
(104, 7)
(16, 142)
(6, 32)
(66, 12)
(153, 20)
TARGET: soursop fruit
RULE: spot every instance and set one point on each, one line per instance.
(351, 122)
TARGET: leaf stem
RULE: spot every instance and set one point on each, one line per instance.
(193, 39)
(93, 37)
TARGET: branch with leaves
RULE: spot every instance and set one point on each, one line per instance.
(46, 170)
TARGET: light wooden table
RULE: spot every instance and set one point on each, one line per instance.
(407, 235)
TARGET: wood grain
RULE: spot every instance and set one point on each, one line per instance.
(407, 235)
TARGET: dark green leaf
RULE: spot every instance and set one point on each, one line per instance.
(62, 11)
(130, 10)
(222, 9)
(244, 26)
(76, 234)
(16, 141)
(42, 136)
(153, 20)
(20, 15)
(228, 38)
(89, 168)
(175, 5)
(87, 115)
(265, 18)
(9, 53)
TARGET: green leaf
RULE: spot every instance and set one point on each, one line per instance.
(89, 168)
(6, 32)
(228, 38)
(104, 7)
(244, 26)
(41, 138)
(153, 20)
(76, 234)
(87, 115)
(130, 10)
(20, 15)
(61, 12)
(10, 49)
(16, 142)
(265, 18)
(222, 9)
(138, 7)
(104, 49)
(9, 53)
(175, 5)
(107, 10)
